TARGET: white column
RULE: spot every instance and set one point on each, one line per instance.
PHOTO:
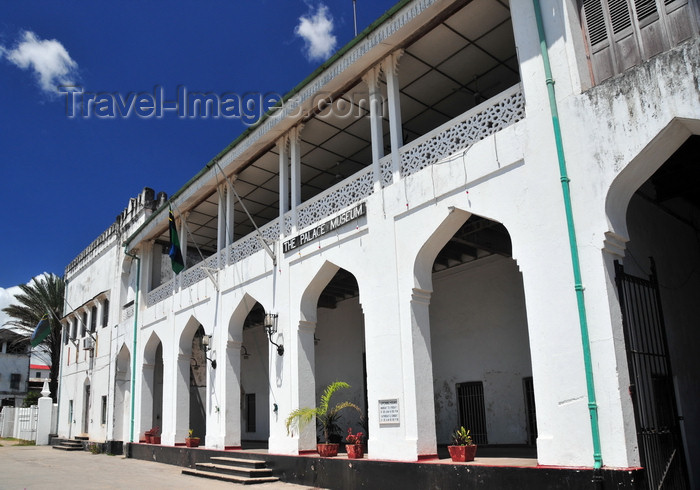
(232, 408)
(146, 402)
(390, 68)
(43, 427)
(221, 224)
(181, 417)
(183, 236)
(295, 150)
(230, 210)
(371, 78)
(283, 180)
(306, 380)
(146, 271)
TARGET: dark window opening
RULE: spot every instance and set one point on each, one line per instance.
(14, 381)
(105, 313)
(93, 319)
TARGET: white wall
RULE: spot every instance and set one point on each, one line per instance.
(478, 330)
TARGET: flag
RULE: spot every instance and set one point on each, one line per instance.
(42, 330)
(175, 254)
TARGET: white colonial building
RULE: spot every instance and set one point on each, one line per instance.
(455, 215)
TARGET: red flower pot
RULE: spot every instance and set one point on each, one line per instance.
(155, 440)
(355, 451)
(461, 454)
(149, 438)
(192, 441)
(327, 450)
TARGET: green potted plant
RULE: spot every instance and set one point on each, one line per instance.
(326, 416)
(462, 448)
(191, 441)
(354, 446)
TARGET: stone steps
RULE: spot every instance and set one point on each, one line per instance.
(68, 445)
(235, 470)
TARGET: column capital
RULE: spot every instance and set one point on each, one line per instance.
(233, 344)
(371, 78)
(282, 142)
(307, 327)
(615, 244)
(295, 133)
(390, 64)
(421, 296)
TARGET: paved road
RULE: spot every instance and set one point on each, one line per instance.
(41, 467)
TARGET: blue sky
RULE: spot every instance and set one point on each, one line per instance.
(65, 179)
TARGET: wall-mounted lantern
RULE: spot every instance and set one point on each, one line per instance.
(270, 325)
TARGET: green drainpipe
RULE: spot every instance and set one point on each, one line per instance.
(585, 340)
(133, 350)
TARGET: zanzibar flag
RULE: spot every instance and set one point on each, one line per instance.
(175, 254)
(42, 330)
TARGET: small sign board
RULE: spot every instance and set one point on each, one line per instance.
(325, 227)
(389, 412)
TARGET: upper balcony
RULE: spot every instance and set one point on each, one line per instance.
(411, 91)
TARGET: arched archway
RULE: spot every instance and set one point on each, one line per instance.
(654, 204)
(152, 384)
(191, 383)
(332, 348)
(479, 345)
(122, 394)
(248, 376)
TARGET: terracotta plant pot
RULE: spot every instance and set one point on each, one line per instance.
(327, 450)
(155, 440)
(461, 454)
(355, 451)
(192, 441)
(149, 439)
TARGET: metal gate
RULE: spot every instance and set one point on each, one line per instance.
(651, 381)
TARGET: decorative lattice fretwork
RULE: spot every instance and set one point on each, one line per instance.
(385, 167)
(460, 133)
(288, 224)
(250, 244)
(160, 293)
(128, 312)
(198, 271)
(336, 198)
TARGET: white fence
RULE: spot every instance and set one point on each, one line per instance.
(22, 423)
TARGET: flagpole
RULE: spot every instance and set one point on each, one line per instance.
(354, 15)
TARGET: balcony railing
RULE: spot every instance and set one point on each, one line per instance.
(460, 133)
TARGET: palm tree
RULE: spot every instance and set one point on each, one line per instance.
(327, 417)
(42, 298)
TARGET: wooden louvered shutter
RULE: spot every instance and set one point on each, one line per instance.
(679, 20)
(622, 33)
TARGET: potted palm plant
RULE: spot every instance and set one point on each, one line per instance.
(462, 448)
(326, 416)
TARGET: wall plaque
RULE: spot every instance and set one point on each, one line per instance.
(389, 412)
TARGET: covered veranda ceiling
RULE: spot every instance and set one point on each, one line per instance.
(460, 60)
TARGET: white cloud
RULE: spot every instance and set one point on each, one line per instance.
(7, 297)
(49, 60)
(317, 32)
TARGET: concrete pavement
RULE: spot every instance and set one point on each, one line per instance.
(41, 467)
